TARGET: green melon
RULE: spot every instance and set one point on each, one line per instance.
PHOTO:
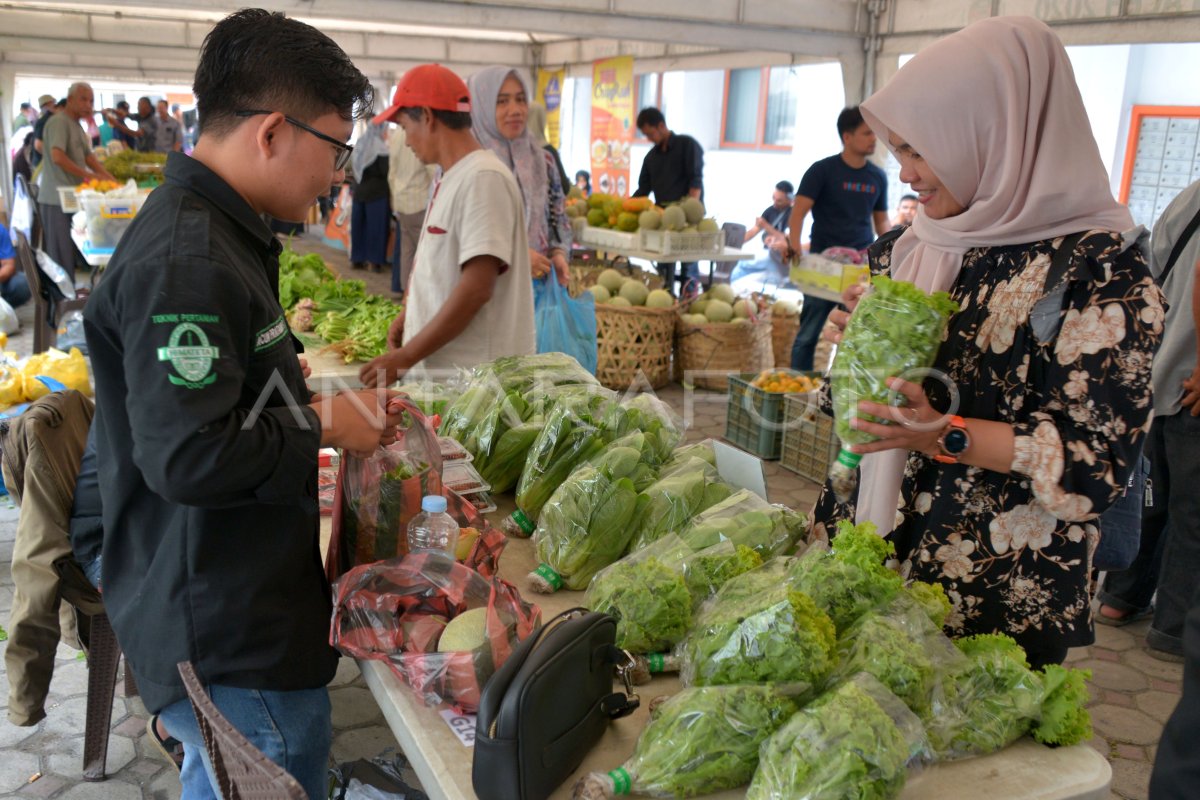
(660, 298)
(635, 292)
(601, 294)
(693, 209)
(698, 306)
(674, 219)
(785, 308)
(743, 309)
(718, 311)
(611, 279)
(708, 225)
(650, 220)
(619, 302)
(467, 631)
(722, 292)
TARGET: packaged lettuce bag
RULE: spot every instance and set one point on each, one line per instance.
(894, 332)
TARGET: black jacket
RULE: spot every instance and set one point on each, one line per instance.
(210, 509)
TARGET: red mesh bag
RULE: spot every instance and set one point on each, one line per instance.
(395, 610)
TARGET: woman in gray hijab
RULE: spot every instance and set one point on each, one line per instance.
(499, 114)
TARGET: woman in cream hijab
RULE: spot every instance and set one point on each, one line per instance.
(991, 133)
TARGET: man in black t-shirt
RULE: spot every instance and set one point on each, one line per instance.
(773, 225)
(672, 170)
(847, 196)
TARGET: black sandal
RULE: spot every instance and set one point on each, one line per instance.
(170, 747)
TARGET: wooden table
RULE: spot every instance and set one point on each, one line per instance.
(1024, 771)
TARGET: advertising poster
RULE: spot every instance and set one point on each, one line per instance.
(612, 124)
(549, 94)
(337, 229)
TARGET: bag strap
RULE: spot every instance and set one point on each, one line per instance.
(1180, 243)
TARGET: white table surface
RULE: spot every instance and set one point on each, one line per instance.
(1024, 771)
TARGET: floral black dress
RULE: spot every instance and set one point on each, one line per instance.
(1014, 551)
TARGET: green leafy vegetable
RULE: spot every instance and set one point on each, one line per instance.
(649, 600)
(896, 329)
(706, 739)
(1065, 719)
(851, 579)
(745, 518)
(932, 598)
(674, 500)
(852, 743)
(707, 571)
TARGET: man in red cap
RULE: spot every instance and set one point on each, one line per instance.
(470, 296)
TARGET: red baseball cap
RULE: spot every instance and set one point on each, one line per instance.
(428, 86)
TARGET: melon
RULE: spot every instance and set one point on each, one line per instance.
(693, 209)
(785, 308)
(467, 631)
(718, 311)
(674, 219)
(743, 309)
(695, 319)
(708, 225)
(660, 298)
(722, 292)
(611, 279)
(627, 222)
(650, 220)
(601, 294)
(634, 291)
(619, 302)
(698, 306)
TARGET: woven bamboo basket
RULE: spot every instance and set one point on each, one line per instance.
(708, 354)
(784, 328)
(634, 340)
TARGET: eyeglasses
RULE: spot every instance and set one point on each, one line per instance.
(344, 150)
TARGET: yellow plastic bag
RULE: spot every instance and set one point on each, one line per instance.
(12, 386)
(69, 369)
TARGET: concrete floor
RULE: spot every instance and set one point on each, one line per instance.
(1133, 693)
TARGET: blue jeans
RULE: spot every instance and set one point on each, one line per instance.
(1168, 557)
(15, 290)
(369, 224)
(293, 729)
(813, 314)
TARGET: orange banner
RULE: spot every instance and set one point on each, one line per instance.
(337, 229)
(612, 124)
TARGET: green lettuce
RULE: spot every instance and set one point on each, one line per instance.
(852, 743)
(647, 596)
(673, 500)
(706, 739)
(681, 455)
(708, 570)
(576, 429)
(851, 579)
(896, 329)
(1064, 719)
(745, 518)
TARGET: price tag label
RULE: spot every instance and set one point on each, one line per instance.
(463, 725)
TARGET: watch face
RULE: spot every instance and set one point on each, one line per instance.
(955, 441)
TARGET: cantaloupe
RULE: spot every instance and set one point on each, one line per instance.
(635, 292)
(611, 279)
(650, 220)
(693, 209)
(619, 302)
(660, 298)
(708, 225)
(718, 311)
(674, 219)
(698, 306)
(743, 309)
(785, 308)
(467, 631)
(722, 292)
(601, 294)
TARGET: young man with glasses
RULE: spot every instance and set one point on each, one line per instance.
(206, 435)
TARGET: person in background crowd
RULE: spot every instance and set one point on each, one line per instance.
(1169, 551)
(168, 134)
(69, 162)
(409, 180)
(21, 161)
(145, 137)
(47, 104)
(1177, 763)
(458, 318)
(13, 286)
(499, 119)
(116, 118)
(26, 116)
(107, 132)
(537, 129)
(999, 502)
(583, 179)
(773, 225)
(671, 171)
(906, 211)
(370, 214)
(206, 436)
(847, 196)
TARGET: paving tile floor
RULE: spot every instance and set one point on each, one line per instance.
(1133, 693)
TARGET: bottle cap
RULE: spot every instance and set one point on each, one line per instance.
(433, 504)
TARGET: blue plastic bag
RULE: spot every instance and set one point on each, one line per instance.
(565, 324)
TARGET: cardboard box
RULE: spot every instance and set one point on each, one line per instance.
(827, 274)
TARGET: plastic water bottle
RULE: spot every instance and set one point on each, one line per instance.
(433, 528)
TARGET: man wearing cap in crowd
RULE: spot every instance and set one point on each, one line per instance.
(46, 104)
(470, 296)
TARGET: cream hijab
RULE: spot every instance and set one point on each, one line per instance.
(995, 112)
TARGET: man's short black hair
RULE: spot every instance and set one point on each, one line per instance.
(904, 197)
(61, 103)
(650, 117)
(454, 120)
(786, 187)
(25, 106)
(849, 120)
(123, 105)
(255, 59)
(583, 173)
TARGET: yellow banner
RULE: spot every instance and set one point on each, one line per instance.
(549, 94)
(612, 124)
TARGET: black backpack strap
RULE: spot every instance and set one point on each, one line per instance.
(1180, 243)
(1045, 316)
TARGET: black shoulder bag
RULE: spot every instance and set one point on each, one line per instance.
(548, 705)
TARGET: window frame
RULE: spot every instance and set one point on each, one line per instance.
(638, 138)
(764, 87)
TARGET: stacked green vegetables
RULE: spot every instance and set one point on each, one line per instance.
(354, 323)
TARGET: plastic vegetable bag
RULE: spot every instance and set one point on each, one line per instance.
(851, 579)
(69, 369)
(588, 522)
(396, 610)
(754, 634)
(894, 332)
(992, 699)
(565, 324)
(702, 740)
(707, 571)
(690, 487)
(647, 595)
(898, 645)
(701, 450)
(745, 518)
(662, 426)
(852, 743)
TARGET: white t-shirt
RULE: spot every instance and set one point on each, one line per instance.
(476, 210)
